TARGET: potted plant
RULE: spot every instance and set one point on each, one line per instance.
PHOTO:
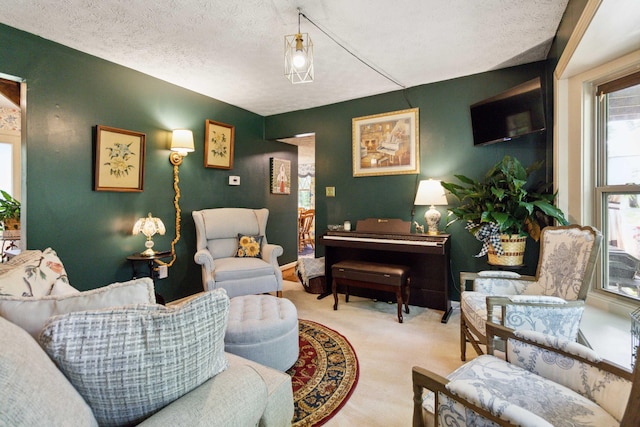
(501, 211)
(9, 212)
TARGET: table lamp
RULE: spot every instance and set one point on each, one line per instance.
(430, 193)
(149, 226)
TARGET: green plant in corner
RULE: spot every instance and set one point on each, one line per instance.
(500, 203)
(9, 212)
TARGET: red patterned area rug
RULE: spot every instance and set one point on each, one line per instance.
(324, 376)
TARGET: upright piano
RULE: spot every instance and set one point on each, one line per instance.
(390, 241)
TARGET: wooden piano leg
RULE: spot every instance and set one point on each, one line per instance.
(334, 289)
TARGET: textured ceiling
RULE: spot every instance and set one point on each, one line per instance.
(233, 50)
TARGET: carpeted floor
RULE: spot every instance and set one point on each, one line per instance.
(386, 351)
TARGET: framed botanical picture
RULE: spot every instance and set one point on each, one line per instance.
(386, 144)
(218, 145)
(119, 164)
(280, 176)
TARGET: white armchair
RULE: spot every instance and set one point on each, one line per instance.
(544, 381)
(552, 302)
(241, 272)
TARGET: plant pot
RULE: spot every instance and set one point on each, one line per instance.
(11, 224)
(513, 246)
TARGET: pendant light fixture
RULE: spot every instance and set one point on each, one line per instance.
(298, 56)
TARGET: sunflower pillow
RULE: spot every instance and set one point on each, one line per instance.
(249, 246)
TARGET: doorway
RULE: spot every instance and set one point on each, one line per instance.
(306, 144)
(11, 118)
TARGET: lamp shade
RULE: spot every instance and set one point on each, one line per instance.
(149, 226)
(182, 141)
(430, 193)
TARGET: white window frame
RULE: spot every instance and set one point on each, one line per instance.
(575, 156)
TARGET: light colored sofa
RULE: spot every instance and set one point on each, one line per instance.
(85, 358)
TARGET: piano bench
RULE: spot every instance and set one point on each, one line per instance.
(372, 275)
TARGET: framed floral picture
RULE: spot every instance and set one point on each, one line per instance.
(280, 176)
(218, 145)
(119, 160)
(386, 144)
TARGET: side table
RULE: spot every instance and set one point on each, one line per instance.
(150, 271)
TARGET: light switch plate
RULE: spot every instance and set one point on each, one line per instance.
(234, 180)
(330, 191)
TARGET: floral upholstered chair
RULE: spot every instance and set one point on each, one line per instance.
(544, 381)
(552, 302)
(232, 248)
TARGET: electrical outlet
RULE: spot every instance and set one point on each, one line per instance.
(330, 191)
(163, 272)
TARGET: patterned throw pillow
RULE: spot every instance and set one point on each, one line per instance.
(34, 274)
(249, 246)
(130, 362)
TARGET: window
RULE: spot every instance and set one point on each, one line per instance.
(618, 183)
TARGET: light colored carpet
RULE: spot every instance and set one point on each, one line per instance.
(386, 350)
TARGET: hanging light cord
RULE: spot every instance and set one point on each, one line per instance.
(380, 72)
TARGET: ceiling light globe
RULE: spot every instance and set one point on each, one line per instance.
(299, 60)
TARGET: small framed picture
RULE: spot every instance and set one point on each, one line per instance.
(218, 145)
(280, 176)
(386, 144)
(119, 164)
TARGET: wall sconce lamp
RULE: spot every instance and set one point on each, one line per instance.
(430, 193)
(181, 145)
(149, 226)
(298, 56)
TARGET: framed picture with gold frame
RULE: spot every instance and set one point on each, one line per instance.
(386, 144)
(218, 145)
(119, 160)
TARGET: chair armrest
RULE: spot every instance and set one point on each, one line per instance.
(203, 257)
(502, 285)
(271, 252)
(551, 315)
(531, 300)
(424, 379)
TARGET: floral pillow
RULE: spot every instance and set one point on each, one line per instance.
(34, 274)
(249, 246)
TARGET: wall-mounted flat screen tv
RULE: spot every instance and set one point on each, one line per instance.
(508, 115)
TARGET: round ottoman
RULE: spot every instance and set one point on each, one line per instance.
(263, 328)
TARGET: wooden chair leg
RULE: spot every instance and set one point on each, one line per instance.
(399, 293)
(463, 340)
(407, 294)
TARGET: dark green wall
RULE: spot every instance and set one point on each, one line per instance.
(68, 94)
(446, 148)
